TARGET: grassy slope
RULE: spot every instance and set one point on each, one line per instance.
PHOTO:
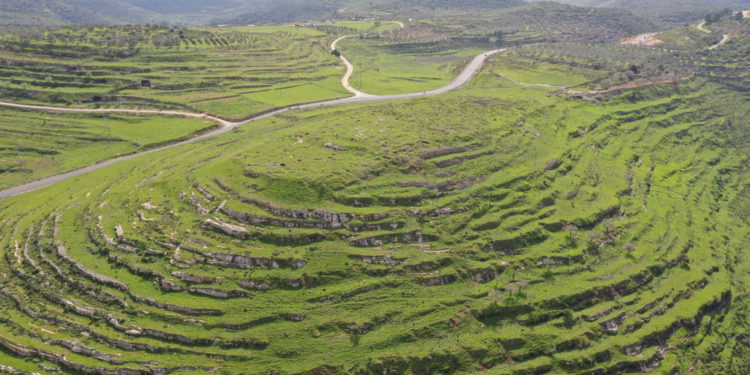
(381, 71)
(428, 53)
(36, 145)
(230, 72)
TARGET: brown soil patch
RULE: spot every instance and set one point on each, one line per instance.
(648, 40)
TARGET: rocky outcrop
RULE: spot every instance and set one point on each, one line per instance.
(188, 278)
(62, 253)
(226, 228)
(176, 308)
(169, 286)
(172, 337)
(266, 237)
(219, 293)
(334, 219)
(382, 260)
(373, 217)
(244, 344)
(260, 321)
(205, 192)
(259, 220)
(254, 285)
(239, 261)
(62, 360)
(245, 262)
(611, 326)
(195, 202)
(485, 275)
(410, 237)
(5, 369)
(81, 349)
(442, 152)
(514, 246)
(334, 147)
(438, 280)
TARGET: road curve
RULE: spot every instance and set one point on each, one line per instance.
(225, 126)
(724, 39)
(702, 27)
(350, 66)
(349, 70)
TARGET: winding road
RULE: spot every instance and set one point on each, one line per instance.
(724, 38)
(225, 126)
(702, 27)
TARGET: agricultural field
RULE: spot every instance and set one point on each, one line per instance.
(429, 53)
(382, 69)
(229, 72)
(34, 145)
(581, 206)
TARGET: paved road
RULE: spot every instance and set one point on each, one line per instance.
(225, 126)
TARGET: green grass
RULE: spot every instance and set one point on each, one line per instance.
(233, 72)
(39, 144)
(383, 70)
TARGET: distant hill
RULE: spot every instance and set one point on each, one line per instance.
(114, 12)
(237, 12)
(243, 12)
(531, 23)
(666, 12)
(303, 10)
(45, 13)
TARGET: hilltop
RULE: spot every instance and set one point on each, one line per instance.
(669, 13)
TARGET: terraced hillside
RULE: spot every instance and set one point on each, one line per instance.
(501, 228)
(672, 13)
(36, 145)
(232, 73)
(428, 53)
(229, 72)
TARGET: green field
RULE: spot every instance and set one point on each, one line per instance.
(35, 145)
(382, 70)
(232, 72)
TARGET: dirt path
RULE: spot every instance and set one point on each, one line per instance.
(702, 27)
(225, 126)
(648, 39)
(724, 39)
(350, 67)
(349, 70)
